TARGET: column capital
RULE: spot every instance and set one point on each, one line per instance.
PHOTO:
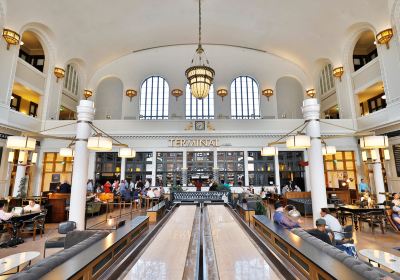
(311, 109)
(85, 110)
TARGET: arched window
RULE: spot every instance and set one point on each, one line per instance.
(199, 108)
(32, 51)
(154, 96)
(365, 50)
(71, 81)
(326, 83)
(245, 101)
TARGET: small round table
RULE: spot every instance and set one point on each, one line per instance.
(382, 258)
(16, 260)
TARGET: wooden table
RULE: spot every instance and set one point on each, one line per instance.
(382, 258)
(356, 210)
(15, 223)
(16, 260)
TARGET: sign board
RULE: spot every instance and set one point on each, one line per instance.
(197, 142)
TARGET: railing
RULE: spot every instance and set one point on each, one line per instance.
(367, 75)
(30, 76)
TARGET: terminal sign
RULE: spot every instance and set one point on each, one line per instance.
(193, 142)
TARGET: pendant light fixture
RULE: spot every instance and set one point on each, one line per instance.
(200, 75)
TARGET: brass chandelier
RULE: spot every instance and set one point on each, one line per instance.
(200, 75)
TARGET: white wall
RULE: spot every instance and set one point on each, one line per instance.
(290, 95)
(109, 99)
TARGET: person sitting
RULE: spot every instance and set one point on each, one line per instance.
(320, 231)
(396, 209)
(332, 223)
(4, 216)
(65, 187)
(296, 188)
(285, 189)
(32, 206)
(366, 200)
(281, 219)
(150, 193)
(156, 192)
(125, 193)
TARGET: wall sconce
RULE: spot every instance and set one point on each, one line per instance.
(87, 93)
(222, 93)
(176, 93)
(384, 37)
(59, 73)
(338, 72)
(131, 93)
(310, 93)
(11, 37)
(268, 93)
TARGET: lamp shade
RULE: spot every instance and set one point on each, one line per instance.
(328, 150)
(374, 142)
(386, 154)
(99, 143)
(67, 152)
(126, 153)
(22, 156)
(21, 143)
(374, 155)
(298, 142)
(11, 156)
(11, 37)
(200, 79)
(34, 158)
(269, 151)
(364, 156)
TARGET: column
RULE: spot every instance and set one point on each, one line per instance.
(246, 168)
(91, 166)
(81, 161)
(307, 173)
(153, 169)
(277, 173)
(20, 173)
(378, 178)
(8, 67)
(311, 111)
(215, 166)
(184, 169)
(123, 169)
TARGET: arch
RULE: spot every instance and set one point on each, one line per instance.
(3, 11)
(199, 108)
(395, 17)
(154, 98)
(245, 98)
(289, 95)
(108, 99)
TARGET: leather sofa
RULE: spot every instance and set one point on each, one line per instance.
(362, 268)
(75, 242)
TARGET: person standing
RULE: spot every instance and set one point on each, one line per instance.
(107, 187)
(90, 186)
(65, 187)
(362, 186)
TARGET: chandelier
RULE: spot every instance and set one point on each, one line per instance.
(200, 75)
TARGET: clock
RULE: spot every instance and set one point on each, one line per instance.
(200, 125)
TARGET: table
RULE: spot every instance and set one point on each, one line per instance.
(15, 222)
(382, 258)
(356, 210)
(16, 260)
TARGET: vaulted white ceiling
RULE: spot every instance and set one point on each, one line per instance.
(99, 31)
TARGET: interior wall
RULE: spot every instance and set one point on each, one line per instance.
(108, 99)
(289, 94)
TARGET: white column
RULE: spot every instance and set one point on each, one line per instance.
(184, 168)
(81, 162)
(92, 165)
(307, 173)
(123, 168)
(20, 173)
(246, 168)
(311, 110)
(277, 173)
(378, 178)
(8, 67)
(153, 169)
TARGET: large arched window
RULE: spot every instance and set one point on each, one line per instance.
(326, 83)
(199, 108)
(365, 50)
(245, 100)
(154, 96)
(71, 81)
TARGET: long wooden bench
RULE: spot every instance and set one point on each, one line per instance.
(93, 261)
(312, 262)
(156, 212)
(245, 212)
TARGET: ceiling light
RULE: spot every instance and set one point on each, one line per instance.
(328, 150)
(200, 76)
(176, 93)
(99, 143)
(269, 151)
(374, 142)
(131, 93)
(11, 156)
(66, 152)
(11, 37)
(87, 93)
(298, 142)
(126, 152)
(310, 93)
(364, 156)
(268, 93)
(386, 154)
(338, 72)
(21, 143)
(374, 155)
(384, 96)
(222, 93)
(384, 37)
(34, 158)
(22, 156)
(59, 73)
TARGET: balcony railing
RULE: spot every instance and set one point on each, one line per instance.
(29, 76)
(367, 75)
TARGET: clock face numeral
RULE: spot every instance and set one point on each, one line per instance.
(200, 125)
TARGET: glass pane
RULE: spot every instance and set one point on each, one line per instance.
(339, 165)
(339, 155)
(59, 167)
(49, 156)
(48, 167)
(329, 166)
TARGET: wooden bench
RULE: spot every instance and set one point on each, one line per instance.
(156, 212)
(245, 212)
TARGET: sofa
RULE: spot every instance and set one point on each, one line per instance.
(303, 205)
(362, 268)
(75, 242)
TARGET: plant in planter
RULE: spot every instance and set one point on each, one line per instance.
(22, 187)
(177, 188)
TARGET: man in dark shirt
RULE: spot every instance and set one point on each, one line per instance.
(65, 187)
(320, 231)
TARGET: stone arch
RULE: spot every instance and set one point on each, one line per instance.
(289, 96)
(109, 98)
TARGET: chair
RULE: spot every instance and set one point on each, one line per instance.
(372, 218)
(59, 241)
(93, 208)
(343, 215)
(391, 222)
(347, 235)
(33, 225)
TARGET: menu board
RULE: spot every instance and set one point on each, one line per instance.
(396, 153)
